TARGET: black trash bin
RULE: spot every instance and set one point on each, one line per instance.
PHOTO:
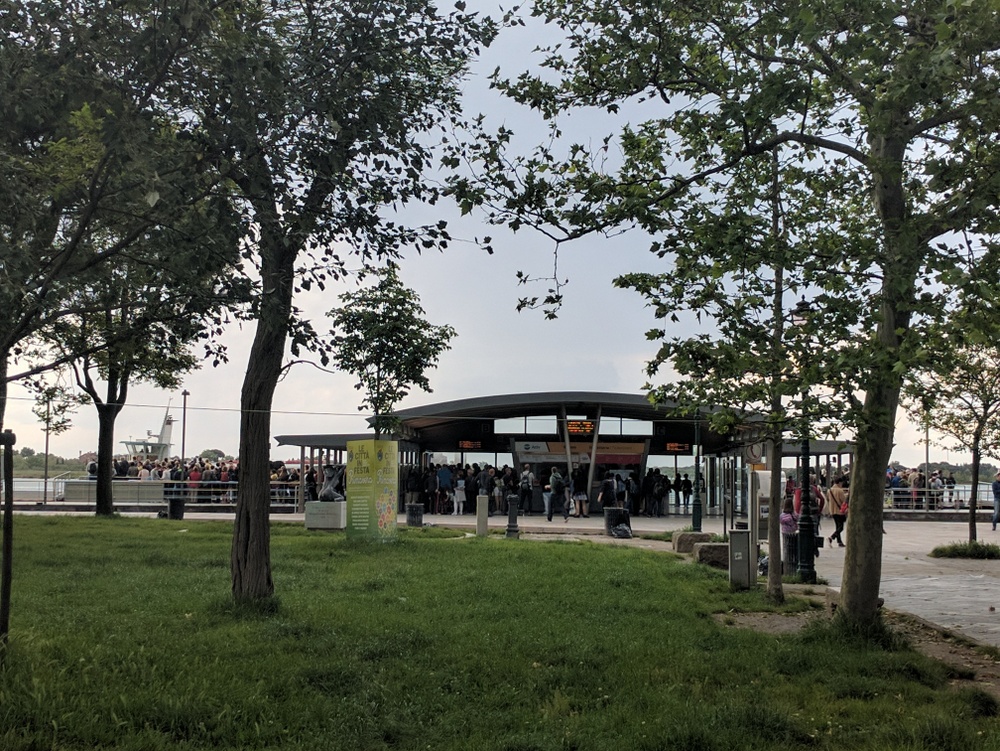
(613, 516)
(175, 507)
(414, 514)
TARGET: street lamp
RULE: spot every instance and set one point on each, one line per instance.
(807, 527)
(696, 502)
(184, 423)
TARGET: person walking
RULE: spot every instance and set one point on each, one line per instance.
(837, 496)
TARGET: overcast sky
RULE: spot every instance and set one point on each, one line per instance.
(598, 343)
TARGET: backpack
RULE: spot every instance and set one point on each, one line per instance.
(659, 489)
(525, 482)
(619, 484)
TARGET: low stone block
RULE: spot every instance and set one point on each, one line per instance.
(326, 515)
(714, 554)
(684, 541)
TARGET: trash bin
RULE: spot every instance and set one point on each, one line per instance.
(742, 560)
(613, 516)
(175, 507)
(414, 514)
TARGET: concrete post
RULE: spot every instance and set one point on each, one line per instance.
(482, 515)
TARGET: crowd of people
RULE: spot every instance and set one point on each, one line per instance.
(203, 480)
(454, 489)
(912, 488)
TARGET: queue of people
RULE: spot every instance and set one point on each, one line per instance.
(203, 480)
(913, 489)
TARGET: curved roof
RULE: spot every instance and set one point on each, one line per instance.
(629, 406)
(447, 425)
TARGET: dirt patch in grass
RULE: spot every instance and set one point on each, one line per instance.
(971, 664)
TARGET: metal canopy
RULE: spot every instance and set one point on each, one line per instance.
(460, 423)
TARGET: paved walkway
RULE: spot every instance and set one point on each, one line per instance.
(956, 594)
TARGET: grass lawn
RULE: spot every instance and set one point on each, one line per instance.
(123, 637)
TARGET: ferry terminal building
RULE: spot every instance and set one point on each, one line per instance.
(592, 430)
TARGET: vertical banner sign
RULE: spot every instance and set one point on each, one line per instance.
(372, 484)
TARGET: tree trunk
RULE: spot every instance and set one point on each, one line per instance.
(863, 558)
(251, 551)
(108, 410)
(974, 492)
(775, 592)
(902, 256)
(106, 415)
(7, 553)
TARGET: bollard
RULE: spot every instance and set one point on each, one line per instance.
(512, 530)
(482, 515)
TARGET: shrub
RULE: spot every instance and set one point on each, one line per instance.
(973, 549)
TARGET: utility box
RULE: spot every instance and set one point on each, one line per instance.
(742, 559)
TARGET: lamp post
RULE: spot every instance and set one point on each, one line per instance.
(807, 527)
(184, 422)
(696, 502)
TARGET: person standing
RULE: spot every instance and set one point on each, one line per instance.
(837, 496)
(578, 492)
(557, 490)
(484, 486)
(949, 482)
(996, 501)
(458, 507)
(312, 485)
(444, 489)
(686, 490)
(526, 489)
(509, 489)
(606, 496)
(789, 521)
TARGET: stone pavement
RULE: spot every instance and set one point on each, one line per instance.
(954, 594)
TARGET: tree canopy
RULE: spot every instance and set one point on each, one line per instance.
(323, 116)
(380, 336)
(881, 116)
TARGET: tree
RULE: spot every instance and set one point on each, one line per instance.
(138, 321)
(321, 115)
(89, 161)
(960, 395)
(883, 113)
(213, 454)
(379, 336)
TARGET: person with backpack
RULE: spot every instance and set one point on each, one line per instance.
(557, 490)
(607, 495)
(661, 489)
(526, 490)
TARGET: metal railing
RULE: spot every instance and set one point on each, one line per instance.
(931, 499)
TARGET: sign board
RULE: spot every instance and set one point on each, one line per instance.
(555, 451)
(372, 487)
(580, 427)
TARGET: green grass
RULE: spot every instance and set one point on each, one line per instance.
(968, 549)
(123, 636)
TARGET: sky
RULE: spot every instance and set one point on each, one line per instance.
(598, 342)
